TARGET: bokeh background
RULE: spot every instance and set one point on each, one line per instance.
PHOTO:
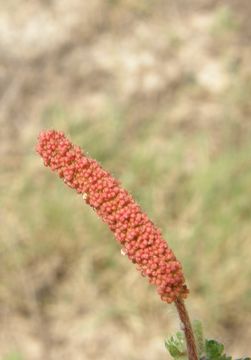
(159, 93)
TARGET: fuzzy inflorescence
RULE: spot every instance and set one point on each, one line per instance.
(141, 241)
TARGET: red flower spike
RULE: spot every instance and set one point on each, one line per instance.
(141, 241)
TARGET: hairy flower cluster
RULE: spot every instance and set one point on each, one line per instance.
(141, 241)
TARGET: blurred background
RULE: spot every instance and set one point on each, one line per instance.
(159, 93)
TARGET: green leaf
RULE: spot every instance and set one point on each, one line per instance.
(207, 349)
(173, 350)
(199, 338)
(213, 348)
(176, 346)
(214, 351)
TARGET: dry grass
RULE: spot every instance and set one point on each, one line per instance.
(158, 92)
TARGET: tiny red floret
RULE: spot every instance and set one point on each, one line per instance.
(141, 241)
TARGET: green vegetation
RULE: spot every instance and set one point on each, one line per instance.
(207, 349)
(159, 94)
(201, 202)
(13, 356)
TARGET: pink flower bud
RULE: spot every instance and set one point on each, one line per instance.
(141, 241)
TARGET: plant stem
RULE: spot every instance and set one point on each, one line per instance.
(187, 328)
